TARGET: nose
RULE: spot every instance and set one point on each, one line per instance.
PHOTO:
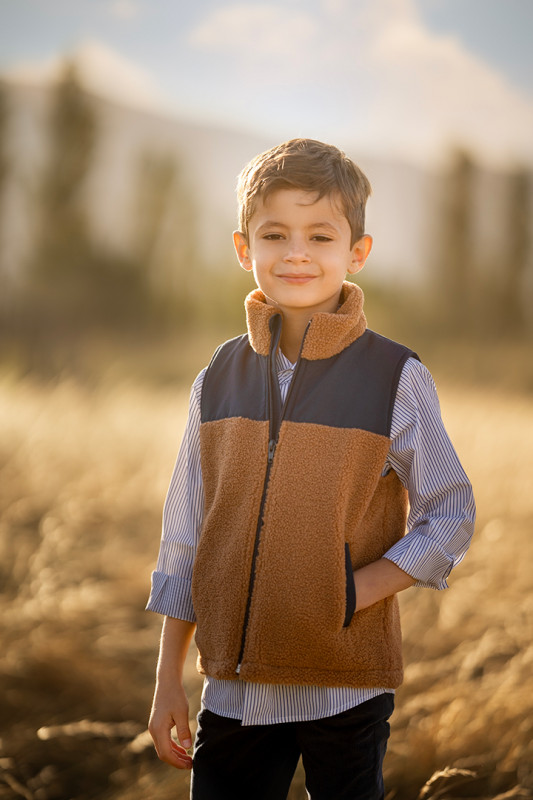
(296, 252)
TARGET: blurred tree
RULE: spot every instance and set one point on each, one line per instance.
(3, 181)
(75, 283)
(484, 297)
(59, 296)
(3, 135)
(166, 238)
(454, 246)
(165, 230)
(62, 242)
(156, 179)
(512, 314)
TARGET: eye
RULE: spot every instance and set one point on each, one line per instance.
(272, 237)
(322, 238)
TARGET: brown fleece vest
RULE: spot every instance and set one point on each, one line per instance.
(295, 500)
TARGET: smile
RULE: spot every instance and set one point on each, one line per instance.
(296, 279)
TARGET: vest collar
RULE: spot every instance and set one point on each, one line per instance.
(327, 335)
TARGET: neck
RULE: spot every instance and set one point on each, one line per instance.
(293, 331)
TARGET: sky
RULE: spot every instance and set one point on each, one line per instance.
(401, 77)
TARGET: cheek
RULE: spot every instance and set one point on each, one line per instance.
(263, 256)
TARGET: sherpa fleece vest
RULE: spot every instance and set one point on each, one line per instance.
(295, 501)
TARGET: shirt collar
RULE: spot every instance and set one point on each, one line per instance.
(282, 363)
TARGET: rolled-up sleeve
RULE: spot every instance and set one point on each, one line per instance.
(182, 520)
(442, 508)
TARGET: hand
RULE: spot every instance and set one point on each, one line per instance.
(378, 580)
(170, 709)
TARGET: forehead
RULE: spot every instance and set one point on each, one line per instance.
(286, 206)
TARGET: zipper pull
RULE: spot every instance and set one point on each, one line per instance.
(271, 450)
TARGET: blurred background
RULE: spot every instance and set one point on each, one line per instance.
(123, 126)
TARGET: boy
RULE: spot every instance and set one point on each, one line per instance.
(283, 529)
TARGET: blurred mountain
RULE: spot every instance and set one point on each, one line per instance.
(404, 212)
(209, 160)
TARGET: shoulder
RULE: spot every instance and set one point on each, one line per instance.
(228, 356)
(416, 395)
(223, 352)
(196, 388)
(416, 379)
(384, 358)
(382, 347)
(231, 346)
(234, 372)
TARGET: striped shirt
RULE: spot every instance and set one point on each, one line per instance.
(439, 529)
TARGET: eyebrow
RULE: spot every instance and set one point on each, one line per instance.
(271, 223)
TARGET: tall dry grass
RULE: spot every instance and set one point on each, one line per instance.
(83, 474)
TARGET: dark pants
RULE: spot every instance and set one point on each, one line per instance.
(342, 756)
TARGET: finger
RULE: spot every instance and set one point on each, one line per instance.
(181, 753)
(180, 758)
(171, 753)
(184, 734)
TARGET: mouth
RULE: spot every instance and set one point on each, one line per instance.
(296, 279)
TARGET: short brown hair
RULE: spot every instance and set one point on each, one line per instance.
(308, 165)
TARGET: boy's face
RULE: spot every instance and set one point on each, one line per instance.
(299, 250)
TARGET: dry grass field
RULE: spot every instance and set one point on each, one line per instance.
(83, 474)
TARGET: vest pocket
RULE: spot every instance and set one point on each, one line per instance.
(350, 587)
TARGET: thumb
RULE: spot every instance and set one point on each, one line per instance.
(183, 731)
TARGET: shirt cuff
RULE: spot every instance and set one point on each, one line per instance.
(171, 596)
(423, 559)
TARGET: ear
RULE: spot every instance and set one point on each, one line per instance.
(360, 252)
(242, 250)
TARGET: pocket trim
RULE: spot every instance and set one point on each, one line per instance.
(350, 587)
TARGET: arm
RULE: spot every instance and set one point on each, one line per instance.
(378, 580)
(182, 520)
(170, 707)
(171, 593)
(442, 509)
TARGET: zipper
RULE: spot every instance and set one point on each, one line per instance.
(276, 416)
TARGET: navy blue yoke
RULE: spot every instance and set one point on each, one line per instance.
(354, 389)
